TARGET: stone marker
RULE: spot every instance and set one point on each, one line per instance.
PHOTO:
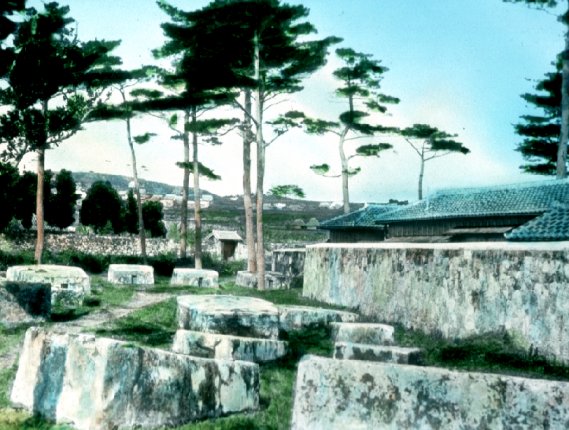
(386, 354)
(100, 384)
(195, 278)
(131, 274)
(273, 280)
(298, 317)
(69, 285)
(222, 346)
(238, 316)
(368, 333)
(338, 394)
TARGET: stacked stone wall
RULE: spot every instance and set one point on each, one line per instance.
(456, 290)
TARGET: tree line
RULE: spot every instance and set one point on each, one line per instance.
(238, 56)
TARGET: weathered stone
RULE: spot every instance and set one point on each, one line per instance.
(34, 298)
(367, 333)
(226, 347)
(96, 383)
(69, 285)
(273, 280)
(238, 316)
(13, 315)
(298, 317)
(386, 354)
(290, 262)
(337, 394)
(131, 274)
(457, 290)
(195, 278)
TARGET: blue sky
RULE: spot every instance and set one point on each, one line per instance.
(458, 65)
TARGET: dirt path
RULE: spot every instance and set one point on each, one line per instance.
(139, 300)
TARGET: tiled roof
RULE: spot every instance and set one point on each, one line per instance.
(552, 225)
(520, 199)
(364, 217)
(226, 235)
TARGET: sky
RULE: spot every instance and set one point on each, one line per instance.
(457, 65)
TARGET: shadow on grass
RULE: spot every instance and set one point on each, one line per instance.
(143, 333)
(64, 315)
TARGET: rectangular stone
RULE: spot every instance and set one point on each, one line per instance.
(292, 318)
(195, 278)
(226, 347)
(97, 383)
(368, 333)
(386, 354)
(337, 394)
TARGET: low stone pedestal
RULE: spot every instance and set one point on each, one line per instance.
(338, 394)
(195, 278)
(385, 354)
(69, 285)
(273, 280)
(222, 346)
(99, 384)
(367, 333)
(298, 317)
(131, 274)
(238, 316)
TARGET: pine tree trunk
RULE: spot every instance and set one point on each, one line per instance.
(141, 229)
(185, 192)
(421, 174)
(39, 206)
(345, 172)
(197, 196)
(260, 168)
(247, 200)
(564, 136)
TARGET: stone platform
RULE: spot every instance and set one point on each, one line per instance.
(293, 318)
(100, 384)
(195, 278)
(273, 280)
(69, 284)
(368, 333)
(222, 346)
(231, 315)
(386, 354)
(131, 274)
(338, 394)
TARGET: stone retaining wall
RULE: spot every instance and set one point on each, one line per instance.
(102, 245)
(453, 289)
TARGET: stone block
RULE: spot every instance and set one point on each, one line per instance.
(238, 316)
(131, 274)
(293, 318)
(99, 384)
(13, 315)
(34, 298)
(226, 347)
(290, 262)
(273, 280)
(195, 278)
(386, 354)
(338, 394)
(69, 285)
(367, 333)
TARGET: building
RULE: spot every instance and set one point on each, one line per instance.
(226, 245)
(529, 211)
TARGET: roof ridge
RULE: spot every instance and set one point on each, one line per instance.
(508, 187)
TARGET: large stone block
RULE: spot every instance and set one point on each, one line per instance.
(273, 280)
(13, 314)
(226, 347)
(34, 298)
(290, 262)
(69, 285)
(333, 394)
(367, 333)
(386, 354)
(293, 318)
(238, 316)
(131, 274)
(195, 278)
(96, 383)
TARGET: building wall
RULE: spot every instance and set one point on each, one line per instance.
(456, 290)
(353, 235)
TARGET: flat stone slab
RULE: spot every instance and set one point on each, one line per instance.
(273, 280)
(131, 274)
(293, 318)
(367, 333)
(69, 284)
(386, 354)
(195, 278)
(222, 314)
(222, 346)
(339, 394)
(100, 384)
